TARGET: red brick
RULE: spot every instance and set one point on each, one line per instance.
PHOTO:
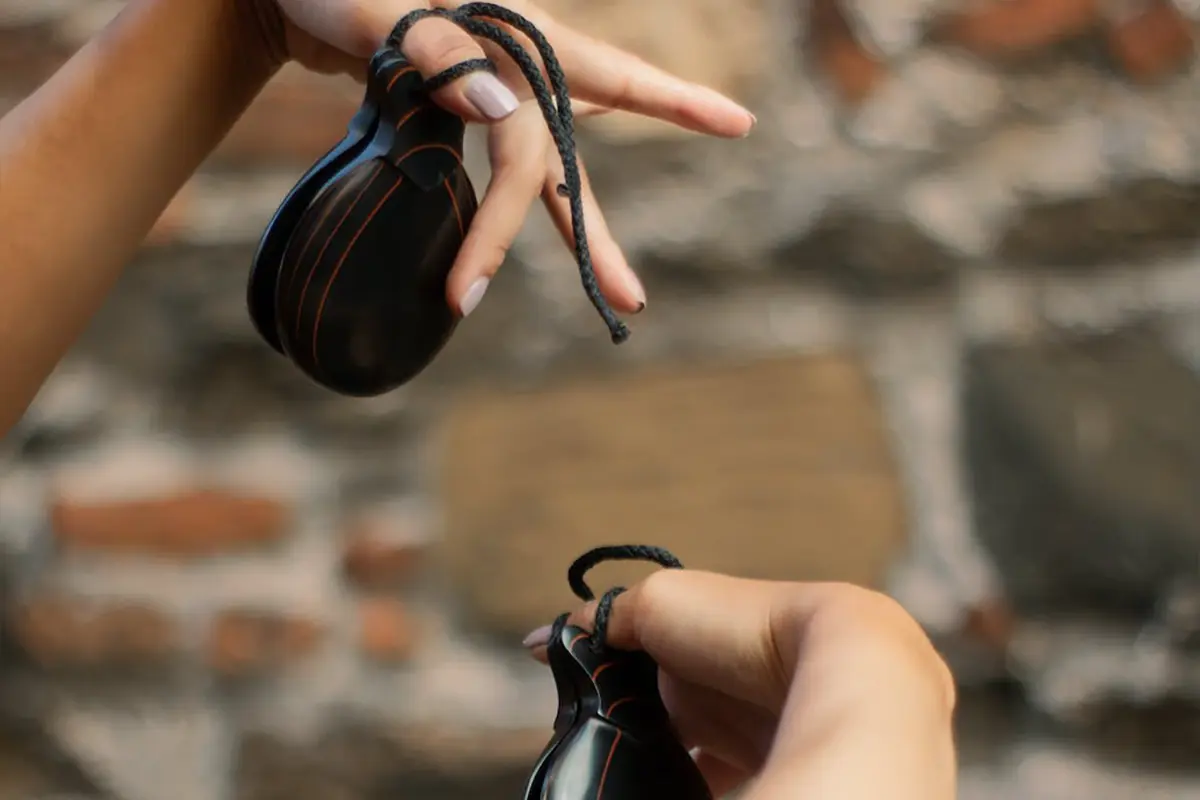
(1154, 43)
(852, 70)
(387, 631)
(1001, 28)
(191, 524)
(373, 560)
(63, 631)
(295, 120)
(992, 624)
(244, 642)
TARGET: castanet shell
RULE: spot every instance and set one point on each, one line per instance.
(264, 270)
(350, 279)
(612, 736)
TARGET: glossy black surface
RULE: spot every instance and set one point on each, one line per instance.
(612, 736)
(349, 279)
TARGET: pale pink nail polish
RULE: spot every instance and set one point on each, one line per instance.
(490, 97)
(473, 296)
(538, 638)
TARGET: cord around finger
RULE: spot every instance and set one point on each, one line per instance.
(462, 79)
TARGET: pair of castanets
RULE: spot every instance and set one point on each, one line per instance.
(349, 280)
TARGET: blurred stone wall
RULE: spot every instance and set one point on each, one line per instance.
(934, 327)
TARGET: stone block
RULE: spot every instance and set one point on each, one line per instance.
(778, 469)
(1084, 459)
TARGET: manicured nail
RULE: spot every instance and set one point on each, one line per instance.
(538, 638)
(490, 97)
(636, 289)
(470, 299)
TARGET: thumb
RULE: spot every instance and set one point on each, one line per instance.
(708, 629)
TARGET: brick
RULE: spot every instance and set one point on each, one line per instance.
(388, 633)
(849, 67)
(295, 120)
(1004, 28)
(374, 560)
(184, 525)
(246, 642)
(1155, 42)
(64, 631)
(777, 469)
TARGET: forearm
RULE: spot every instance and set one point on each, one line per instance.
(90, 160)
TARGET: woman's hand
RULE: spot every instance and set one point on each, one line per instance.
(339, 35)
(802, 690)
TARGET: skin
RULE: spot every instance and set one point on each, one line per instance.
(819, 691)
(795, 691)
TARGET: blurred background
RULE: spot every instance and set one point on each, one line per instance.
(933, 328)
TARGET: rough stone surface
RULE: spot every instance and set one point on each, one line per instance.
(1100, 454)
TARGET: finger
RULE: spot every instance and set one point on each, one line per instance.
(617, 280)
(721, 777)
(736, 732)
(434, 45)
(584, 109)
(706, 629)
(517, 149)
(614, 78)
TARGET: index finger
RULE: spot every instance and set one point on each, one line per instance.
(612, 77)
(608, 76)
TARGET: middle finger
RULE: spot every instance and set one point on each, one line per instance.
(609, 76)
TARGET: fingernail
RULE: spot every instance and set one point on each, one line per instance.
(538, 638)
(490, 97)
(474, 294)
(753, 124)
(636, 289)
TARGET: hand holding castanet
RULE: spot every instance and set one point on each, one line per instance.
(349, 279)
(613, 738)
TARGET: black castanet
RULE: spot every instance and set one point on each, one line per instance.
(349, 280)
(613, 739)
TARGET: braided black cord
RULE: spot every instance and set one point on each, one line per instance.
(556, 109)
(583, 564)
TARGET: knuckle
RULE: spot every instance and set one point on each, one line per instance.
(883, 618)
(362, 27)
(438, 44)
(655, 591)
